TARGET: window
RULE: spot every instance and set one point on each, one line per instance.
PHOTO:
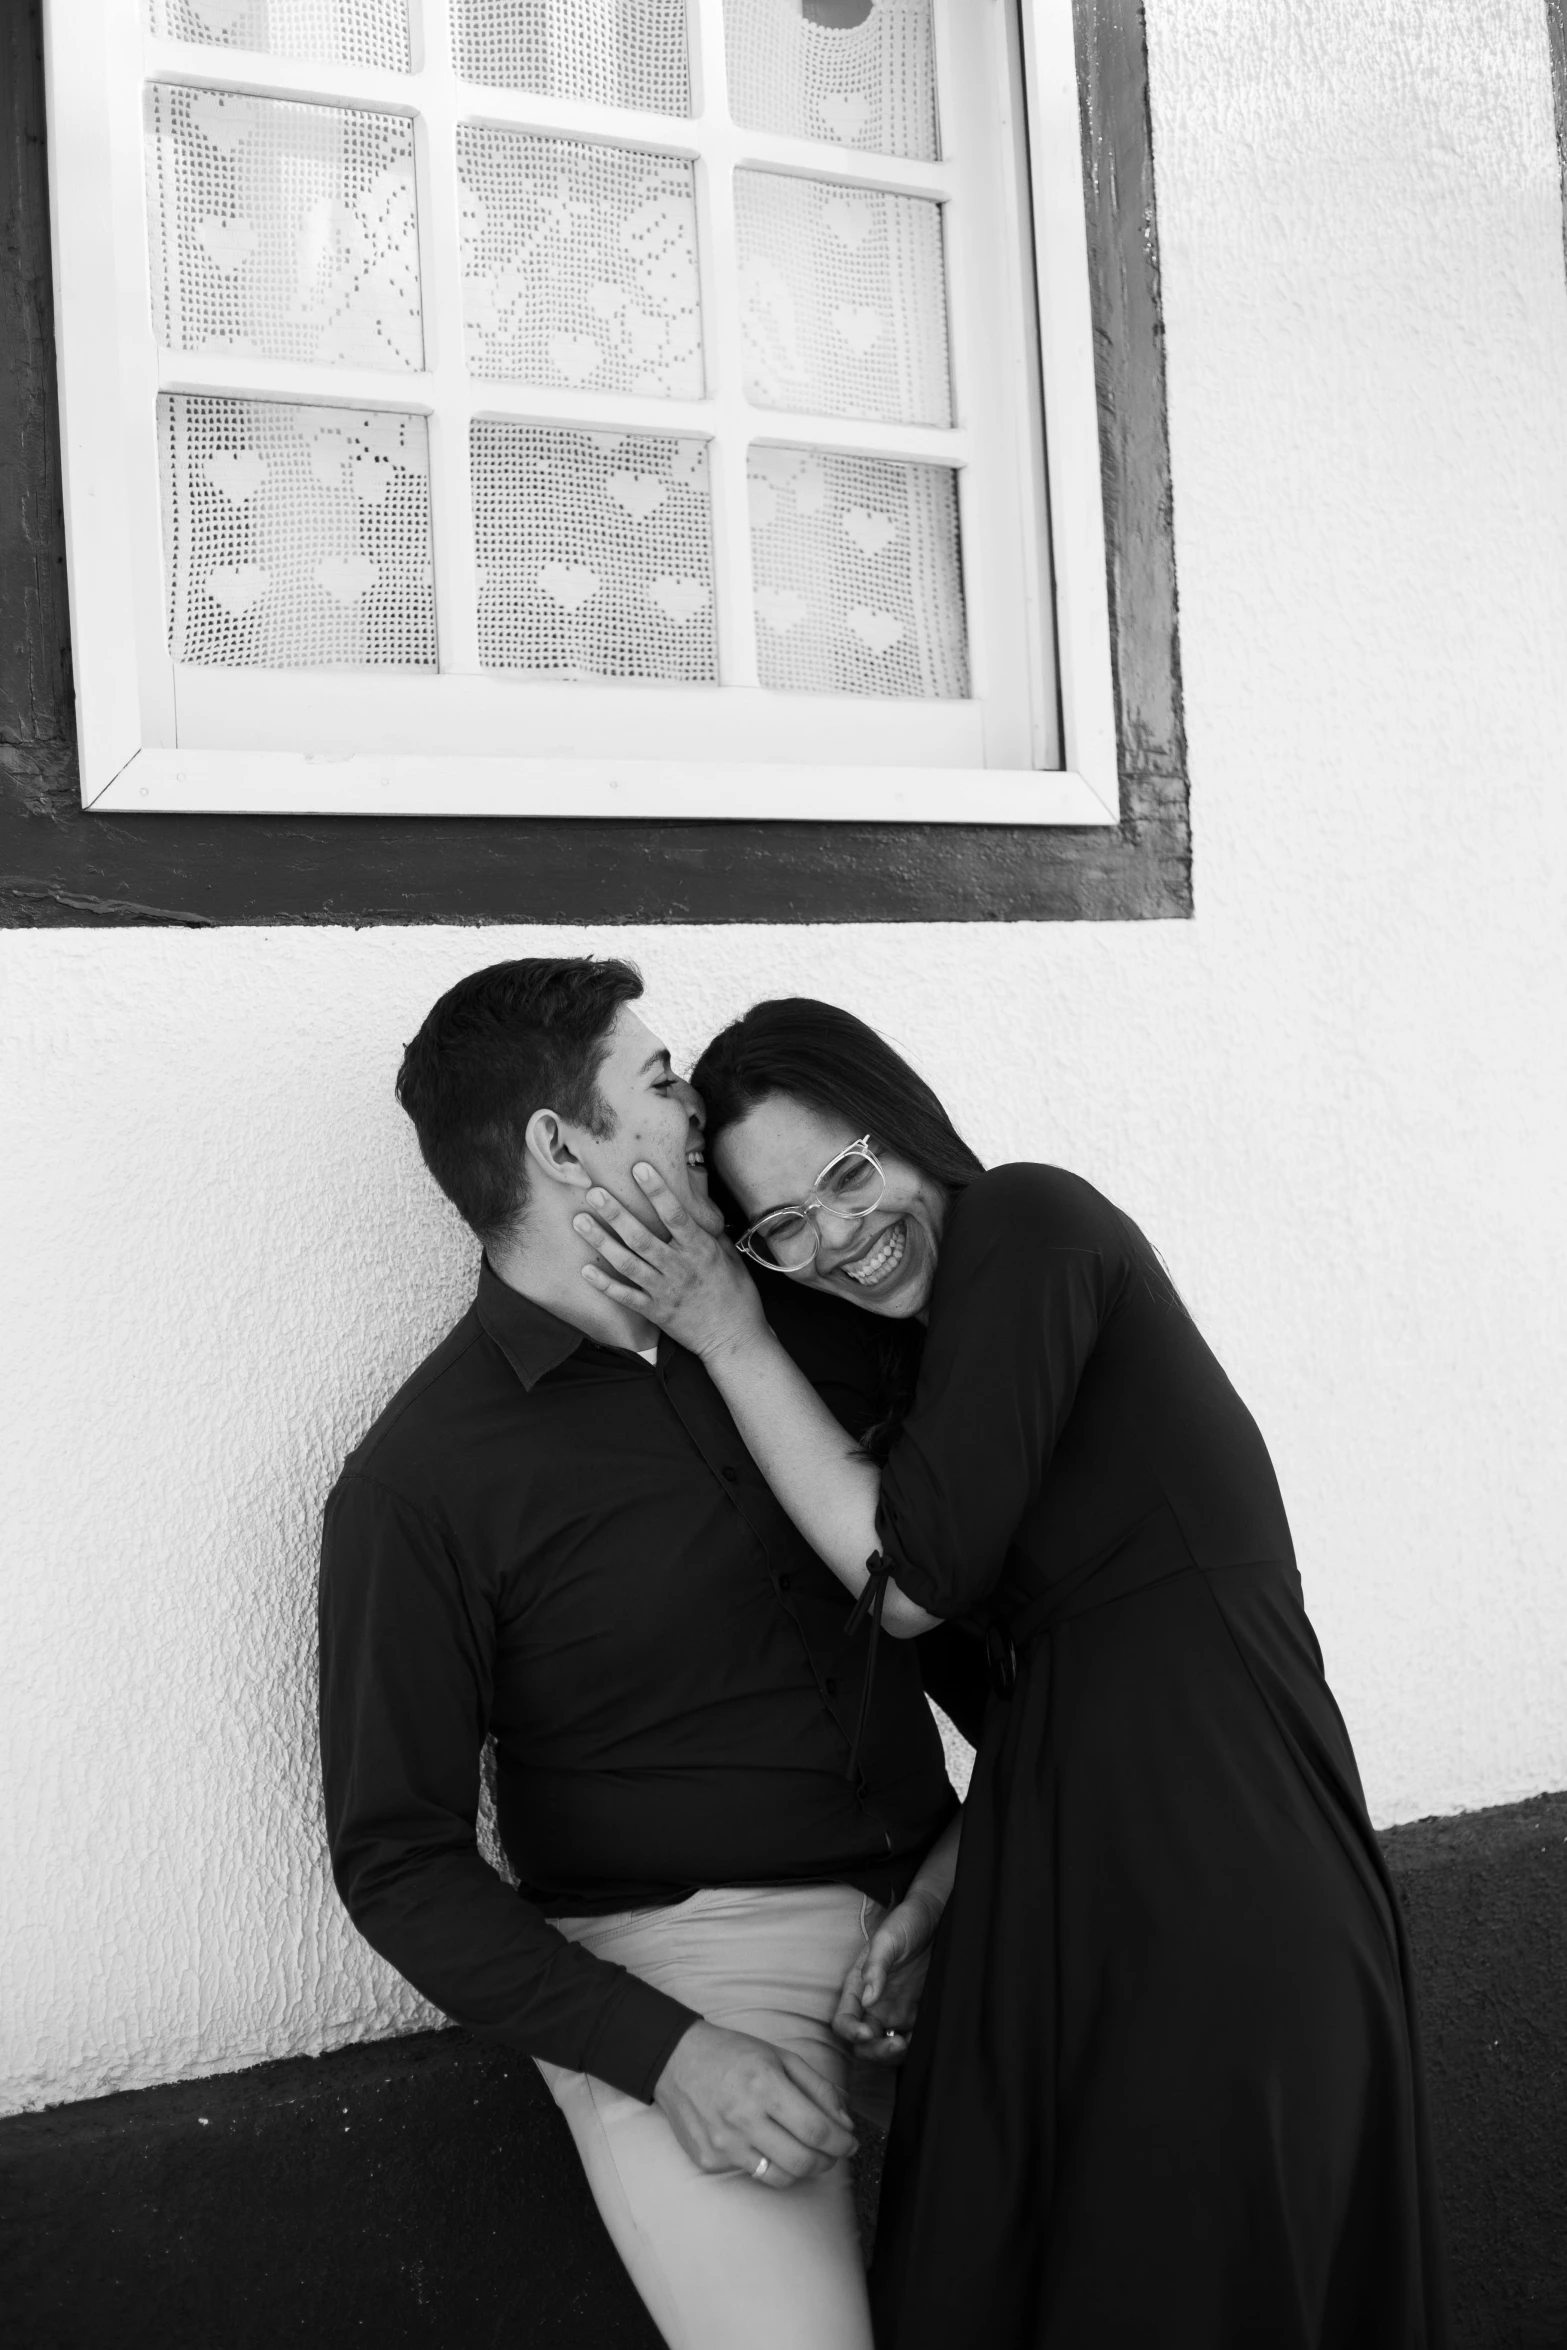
(581, 407)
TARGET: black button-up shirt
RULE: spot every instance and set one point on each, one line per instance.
(551, 1540)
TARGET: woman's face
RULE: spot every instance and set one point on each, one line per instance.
(885, 1261)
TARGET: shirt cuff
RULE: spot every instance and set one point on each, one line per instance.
(635, 2037)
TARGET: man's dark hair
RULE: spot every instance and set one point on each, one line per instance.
(502, 1043)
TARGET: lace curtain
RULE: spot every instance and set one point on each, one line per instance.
(286, 230)
(340, 32)
(298, 534)
(580, 264)
(298, 537)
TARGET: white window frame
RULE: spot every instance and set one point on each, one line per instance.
(152, 737)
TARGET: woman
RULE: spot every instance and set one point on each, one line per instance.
(1164, 2087)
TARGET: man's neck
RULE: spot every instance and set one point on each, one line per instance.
(546, 1266)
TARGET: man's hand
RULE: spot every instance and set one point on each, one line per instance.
(693, 1284)
(881, 1991)
(730, 2099)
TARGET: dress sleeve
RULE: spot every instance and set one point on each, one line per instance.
(407, 1649)
(1032, 1262)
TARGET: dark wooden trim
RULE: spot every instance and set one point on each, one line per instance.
(1556, 34)
(61, 866)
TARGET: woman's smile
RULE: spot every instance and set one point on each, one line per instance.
(878, 1259)
(885, 1260)
(887, 1269)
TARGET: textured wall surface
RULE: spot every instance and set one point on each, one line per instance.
(1335, 1098)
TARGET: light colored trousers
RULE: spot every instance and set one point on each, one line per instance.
(725, 2263)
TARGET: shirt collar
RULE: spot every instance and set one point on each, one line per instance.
(532, 1339)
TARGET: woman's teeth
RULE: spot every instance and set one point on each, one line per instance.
(697, 1157)
(883, 1259)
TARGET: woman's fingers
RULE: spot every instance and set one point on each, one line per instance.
(689, 1282)
(627, 1262)
(621, 1291)
(869, 2037)
(671, 1211)
(889, 1947)
(624, 1226)
(897, 2011)
(897, 2001)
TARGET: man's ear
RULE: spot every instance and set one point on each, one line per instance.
(544, 1139)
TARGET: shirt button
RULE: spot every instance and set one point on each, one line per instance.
(832, 1688)
(730, 1475)
(784, 1582)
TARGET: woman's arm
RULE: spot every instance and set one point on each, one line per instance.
(828, 1489)
(695, 1287)
(881, 1992)
(932, 1886)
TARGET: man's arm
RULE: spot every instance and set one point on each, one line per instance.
(407, 1655)
(407, 1649)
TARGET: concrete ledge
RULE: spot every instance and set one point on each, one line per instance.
(1485, 1895)
(422, 2194)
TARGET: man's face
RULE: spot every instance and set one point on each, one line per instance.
(656, 1116)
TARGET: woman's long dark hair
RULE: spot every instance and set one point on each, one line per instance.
(816, 1053)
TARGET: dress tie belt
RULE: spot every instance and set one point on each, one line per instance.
(1136, 1564)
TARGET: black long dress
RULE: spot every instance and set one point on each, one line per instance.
(1164, 2090)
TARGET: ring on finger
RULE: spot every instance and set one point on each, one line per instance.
(763, 2166)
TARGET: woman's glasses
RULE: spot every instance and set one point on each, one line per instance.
(785, 1240)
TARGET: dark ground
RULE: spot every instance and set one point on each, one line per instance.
(422, 2194)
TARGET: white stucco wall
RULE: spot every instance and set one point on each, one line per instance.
(1335, 1098)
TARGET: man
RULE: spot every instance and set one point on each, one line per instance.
(553, 1535)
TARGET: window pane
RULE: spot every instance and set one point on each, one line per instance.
(615, 52)
(594, 553)
(862, 75)
(843, 299)
(859, 584)
(346, 32)
(579, 264)
(282, 229)
(296, 537)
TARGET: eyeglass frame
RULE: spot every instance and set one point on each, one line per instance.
(809, 1207)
